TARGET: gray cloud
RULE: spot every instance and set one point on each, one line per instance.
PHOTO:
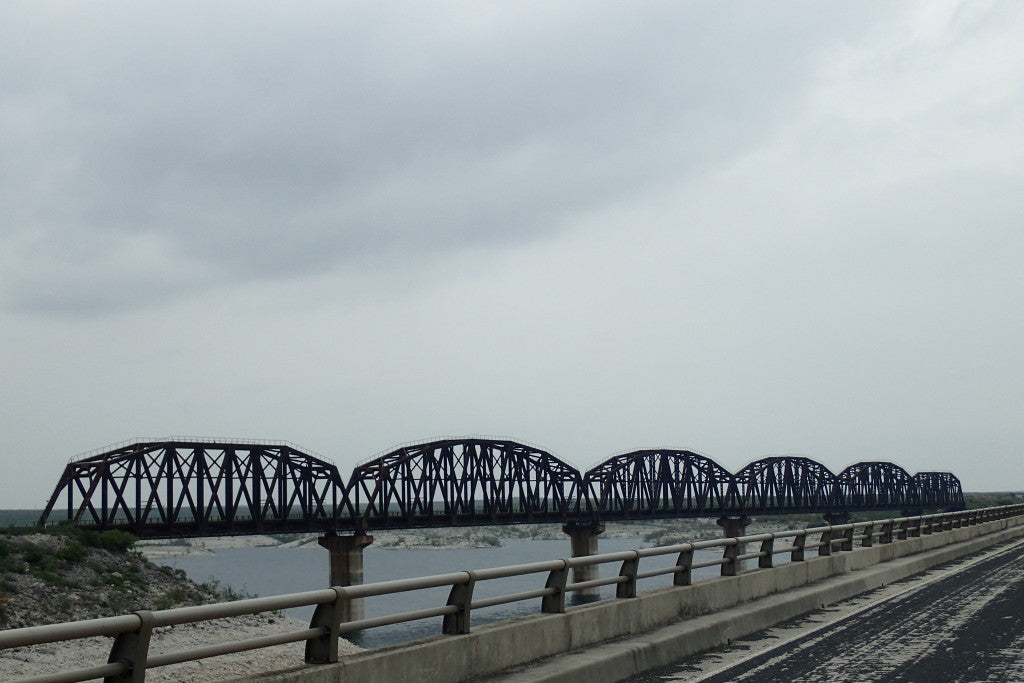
(252, 141)
(740, 229)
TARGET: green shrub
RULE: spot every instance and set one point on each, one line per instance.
(73, 551)
(38, 556)
(173, 597)
(113, 540)
(116, 541)
(52, 578)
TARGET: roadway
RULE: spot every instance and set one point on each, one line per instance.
(959, 622)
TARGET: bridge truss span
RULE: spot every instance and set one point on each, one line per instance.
(456, 482)
(876, 485)
(172, 488)
(939, 489)
(781, 484)
(658, 483)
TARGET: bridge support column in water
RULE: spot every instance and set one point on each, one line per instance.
(734, 527)
(347, 566)
(834, 518)
(583, 540)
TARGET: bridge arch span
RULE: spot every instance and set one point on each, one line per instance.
(157, 488)
(781, 484)
(940, 489)
(658, 482)
(465, 481)
(870, 485)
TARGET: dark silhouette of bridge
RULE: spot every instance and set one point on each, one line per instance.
(178, 488)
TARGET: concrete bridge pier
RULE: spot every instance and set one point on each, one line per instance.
(834, 518)
(346, 561)
(583, 540)
(734, 527)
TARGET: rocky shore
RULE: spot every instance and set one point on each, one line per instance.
(54, 577)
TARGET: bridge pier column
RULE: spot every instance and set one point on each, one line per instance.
(346, 561)
(583, 540)
(834, 518)
(734, 527)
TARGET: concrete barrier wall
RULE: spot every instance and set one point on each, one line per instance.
(700, 616)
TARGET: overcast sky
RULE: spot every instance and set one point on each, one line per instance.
(740, 228)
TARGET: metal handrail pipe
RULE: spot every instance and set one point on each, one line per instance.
(749, 556)
(658, 572)
(786, 533)
(519, 569)
(154, 661)
(711, 543)
(709, 563)
(368, 590)
(237, 608)
(92, 673)
(664, 550)
(349, 626)
(588, 560)
(755, 538)
(595, 583)
(517, 597)
(49, 633)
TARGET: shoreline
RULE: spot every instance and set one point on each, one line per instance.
(663, 532)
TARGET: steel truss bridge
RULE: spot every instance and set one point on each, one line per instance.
(178, 488)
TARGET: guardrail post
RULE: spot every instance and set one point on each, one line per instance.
(798, 547)
(684, 575)
(555, 603)
(847, 539)
(914, 530)
(327, 615)
(867, 538)
(826, 543)
(730, 567)
(132, 650)
(627, 589)
(836, 519)
(767, 560)
(462, 596)
(885, 535)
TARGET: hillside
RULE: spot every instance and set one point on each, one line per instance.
(66, 574)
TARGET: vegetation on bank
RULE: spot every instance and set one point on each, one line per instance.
(64, 573)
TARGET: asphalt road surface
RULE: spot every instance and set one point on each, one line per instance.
(960, 622)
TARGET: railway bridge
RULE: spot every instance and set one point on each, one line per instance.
(186, 488)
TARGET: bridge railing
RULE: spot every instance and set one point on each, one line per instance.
(130, 658)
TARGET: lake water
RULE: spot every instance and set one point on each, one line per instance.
(275, 571)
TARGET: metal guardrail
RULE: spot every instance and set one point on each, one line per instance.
(129, 656)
